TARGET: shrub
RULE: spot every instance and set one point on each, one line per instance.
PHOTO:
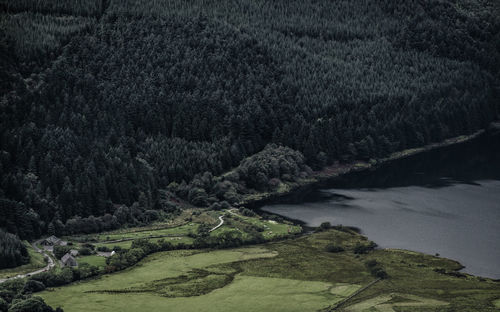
(229, 239)
(203, 230)
(146, 245)
(3, 305)
(324, 226)
(379, 272)
(375, 269)
(334, 248)
(232, 196)
(347, 229)
(6, 295)
(164, 245)
(252, 228)
(274, 183)
(10, 288)
(103, 249)
(84, 271)
(54, 278)
(272, 162)
(84, 251)
(247, 212)
(31, 304)
(215, 206)
(197, 196)
(371, 263)
(364, 248)
(225, 205)
(32, 286)
(89, 246)
(275, 218)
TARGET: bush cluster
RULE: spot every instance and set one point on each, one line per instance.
(376, 269)
(334, 248)
(364, 248)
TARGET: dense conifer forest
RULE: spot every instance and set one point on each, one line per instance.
(104, 104)
(12, 251)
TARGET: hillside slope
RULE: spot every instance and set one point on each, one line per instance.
(115, 100)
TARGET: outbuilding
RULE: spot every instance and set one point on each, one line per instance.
(69, 260)
(53, 241)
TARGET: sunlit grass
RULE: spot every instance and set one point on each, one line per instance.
(290, 275)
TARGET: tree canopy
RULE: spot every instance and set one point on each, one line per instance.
(106, 103)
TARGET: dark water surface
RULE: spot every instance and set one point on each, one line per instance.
(445, 201)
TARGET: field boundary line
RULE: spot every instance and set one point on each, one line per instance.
(357, 292)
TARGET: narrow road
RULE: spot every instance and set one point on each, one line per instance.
(50, 263)
(218, 225)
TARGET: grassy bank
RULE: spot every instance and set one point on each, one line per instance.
(184, 232)
(291, 275)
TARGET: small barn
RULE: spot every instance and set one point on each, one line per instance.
(69, 260)
(73, 252)
(53, 241)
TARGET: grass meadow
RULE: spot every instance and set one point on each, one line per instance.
(95, 260)
(290, 275)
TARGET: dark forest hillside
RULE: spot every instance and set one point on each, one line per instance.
(105, 103)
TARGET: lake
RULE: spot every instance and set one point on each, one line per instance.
(443, 202)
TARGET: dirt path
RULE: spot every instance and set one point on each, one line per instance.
(218, 225)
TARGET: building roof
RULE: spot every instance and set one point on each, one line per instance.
(68, 259)
(73, 252)
(52, 240)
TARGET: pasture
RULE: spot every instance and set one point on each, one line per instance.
(291, 275)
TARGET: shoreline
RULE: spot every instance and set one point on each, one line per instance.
(335, 171)
(256, 201)
(330, 173)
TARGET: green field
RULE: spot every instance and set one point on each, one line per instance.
(179, 234)
(97, 261)
(152, 289)
(497, 303)
(183, 224)
(145, 232)
(390, 302)
(37, 261)
(243, 294)
(271, 228)
(290, 275)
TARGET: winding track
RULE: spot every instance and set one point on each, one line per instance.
(218, 225)
(51, 263)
